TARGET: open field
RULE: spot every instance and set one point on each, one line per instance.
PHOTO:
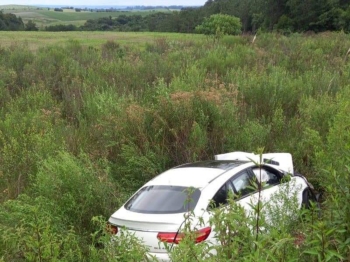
(47, 16)
(16, 7)
(35, 40)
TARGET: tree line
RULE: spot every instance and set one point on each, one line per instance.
(268, 15)
(10, 22)
(285, 15)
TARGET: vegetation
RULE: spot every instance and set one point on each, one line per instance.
(48, 16)
(31, 26)
(35, 40)
(219, 25)
(9, 22)
(283, 16)
(82, 126)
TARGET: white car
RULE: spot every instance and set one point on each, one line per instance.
(155, 213)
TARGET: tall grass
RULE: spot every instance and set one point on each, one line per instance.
(81, 128)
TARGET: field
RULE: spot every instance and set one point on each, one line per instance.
(86, 118)
(35, 40)
(47, 16)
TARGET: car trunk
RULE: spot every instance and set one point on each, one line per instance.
(147, 226)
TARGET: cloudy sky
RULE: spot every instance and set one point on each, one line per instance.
(103, 2)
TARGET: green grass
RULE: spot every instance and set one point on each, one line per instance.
(44, 16)
(35, 40)
(74, 16)
(16, 7)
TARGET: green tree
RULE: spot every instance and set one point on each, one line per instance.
(304, 14)
(219, 24)
(346, 20)
(10, 22)
(31, 26)
(189, 19)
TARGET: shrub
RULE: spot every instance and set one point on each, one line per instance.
(111, 50)
(124, 248)
(220, 24)
(77, 188)
(31, 232)
(26, 138)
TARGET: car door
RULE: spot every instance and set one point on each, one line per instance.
(241, 186)
(245, 187)
(269, 181)
(264, 183)
(255, 183)
(280, 194)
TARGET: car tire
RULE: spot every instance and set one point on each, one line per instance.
(307, 198)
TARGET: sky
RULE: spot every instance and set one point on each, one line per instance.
(104, 2)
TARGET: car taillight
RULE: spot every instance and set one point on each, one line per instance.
(200, 236)
(170, 237)
(112, 229)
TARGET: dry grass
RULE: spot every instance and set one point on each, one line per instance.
(217, 96)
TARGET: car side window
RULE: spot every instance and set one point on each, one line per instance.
(266, 176)
(243, 184)
(220, 198)
(238, 186)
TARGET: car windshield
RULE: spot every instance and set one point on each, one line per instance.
(163, 200)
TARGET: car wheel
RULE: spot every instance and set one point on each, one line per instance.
(307, 198)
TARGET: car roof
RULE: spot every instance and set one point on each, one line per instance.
(219, 164)
(196, 175)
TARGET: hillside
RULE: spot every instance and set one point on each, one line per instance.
(47, 16)
(283, 16)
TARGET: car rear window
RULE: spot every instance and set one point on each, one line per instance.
(163, 200)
